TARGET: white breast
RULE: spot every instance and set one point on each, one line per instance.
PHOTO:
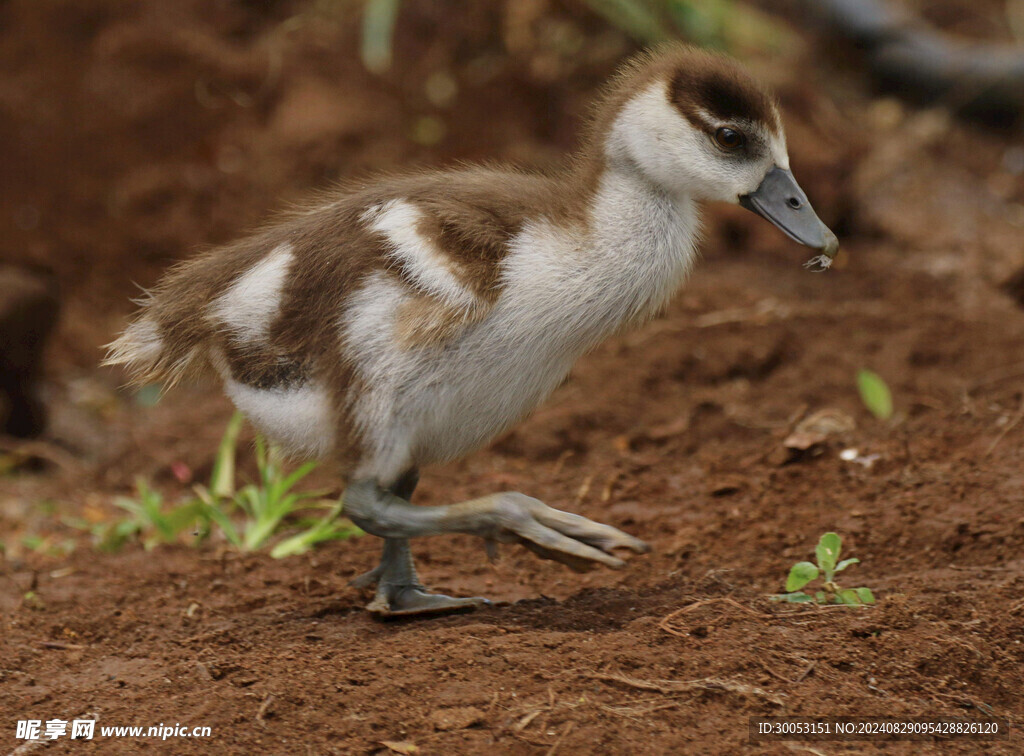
(563, 293)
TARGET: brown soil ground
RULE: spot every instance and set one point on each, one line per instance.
(133, 132)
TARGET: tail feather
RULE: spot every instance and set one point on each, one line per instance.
(172, 338)
(148, 358)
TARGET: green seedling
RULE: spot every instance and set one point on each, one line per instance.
(875, 394)
(151, 520)
(30, 600)
(154, 522)
(828, 565)
(45, 545)
(265, 504)
(267, 507)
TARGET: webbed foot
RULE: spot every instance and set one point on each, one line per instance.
(410, 600)
(549, 533)
(399, 591)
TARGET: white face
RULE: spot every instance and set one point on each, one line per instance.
(682, 159)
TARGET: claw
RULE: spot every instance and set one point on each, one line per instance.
(596, 534)
(574, 563)
(367, 579)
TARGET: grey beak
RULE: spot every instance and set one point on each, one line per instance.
(781, 200)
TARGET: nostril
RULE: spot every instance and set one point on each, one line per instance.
(795, 203)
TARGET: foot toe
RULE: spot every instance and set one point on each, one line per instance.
(367, 579)
(405, 601)
(638, 546)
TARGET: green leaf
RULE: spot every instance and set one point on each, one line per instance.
(797, 598)
(319, 533)
(846, 563)
(634, 17)
(827, 552)
(865, 595)
(848, 596)
(112, 537)
(800, 574)
(875, 394)
(820, 597)
(216, 514)
(296, 544)
(181, 518)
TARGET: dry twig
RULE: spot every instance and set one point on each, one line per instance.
(264, 707)
(43, 450)
(680, 686)
(666, 622)
(1007, 428)
(561, 738)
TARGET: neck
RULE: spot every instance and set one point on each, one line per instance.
(629, 252)
(608, 152)
(647, 235)
(630, 218)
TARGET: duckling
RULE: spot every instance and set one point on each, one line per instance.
(408, 320)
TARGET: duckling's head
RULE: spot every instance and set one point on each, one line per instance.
(696, 124)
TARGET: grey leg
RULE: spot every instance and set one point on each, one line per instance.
(505, 518)
(399, 590)
(403, 489)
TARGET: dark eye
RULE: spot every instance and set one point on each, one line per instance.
(729, 139)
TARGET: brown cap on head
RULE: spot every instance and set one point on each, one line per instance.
(717, 86)
(698, 81)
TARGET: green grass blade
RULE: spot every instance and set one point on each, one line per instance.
(379, 17)
(129, 505)
(222, 479)
(329, 528)
(288, 482)
(214, 513)
(259, 532)
(249, 500)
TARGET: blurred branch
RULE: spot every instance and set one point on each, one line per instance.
(1015, 18)
(722, 24)
(379, 18)
(918, 61)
